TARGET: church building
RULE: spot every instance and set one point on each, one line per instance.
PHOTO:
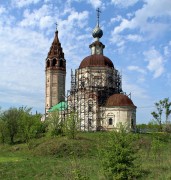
(96, 94)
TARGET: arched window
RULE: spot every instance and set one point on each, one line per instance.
(61, 63)
(54, 62)
(110, 121)
(47, 63)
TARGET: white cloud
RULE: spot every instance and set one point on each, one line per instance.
(78, 18)
(167, 49)
(23, 3)
(145, 20)
(95, 3)
(22, 63)
(136, 68)
(125, 24)
(118, 40)
(141, 77)
(137, 91)
(24, 50)
(2, 10)
(130, 15)
(123, 3)
(116, 19)
(134, 37)
(41, 18)
(155, 62)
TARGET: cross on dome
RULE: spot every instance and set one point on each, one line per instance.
(98, 15)
(97, 32)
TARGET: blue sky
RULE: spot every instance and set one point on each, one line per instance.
(137, 36)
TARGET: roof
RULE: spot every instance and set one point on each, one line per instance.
(60, 107)
(56, 50)
(96, 60)
(119, 100)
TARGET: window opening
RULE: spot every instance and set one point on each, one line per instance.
(110, 121)
(61, 62)
(90, 108)
(48, 63)
(89, 122)
(54, 62)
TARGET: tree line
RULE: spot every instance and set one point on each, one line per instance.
(19, 125)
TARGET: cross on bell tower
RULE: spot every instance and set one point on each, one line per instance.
(56, 26)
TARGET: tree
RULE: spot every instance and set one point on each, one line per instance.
(3, 131)
(28, 124)
(162, 105)
(55, 125)
(71, 125)
(158, 115)
(118, 156)
(19, 123)
(11, 117)
(166, 106)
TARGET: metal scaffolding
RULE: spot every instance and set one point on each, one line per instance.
(90, 89)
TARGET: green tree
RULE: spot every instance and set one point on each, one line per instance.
(11, 117)
(55, 125)
(3, 131)
(158, 115)
(28, 124)
(166, 106)
(72, 125)
(19, 123)
(162, 106)
(118, 156)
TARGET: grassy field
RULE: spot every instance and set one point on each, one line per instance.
(62, 158)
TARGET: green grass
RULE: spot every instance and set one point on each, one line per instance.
(61, 158)
(19, 166)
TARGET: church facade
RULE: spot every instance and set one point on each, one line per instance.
(96, 94)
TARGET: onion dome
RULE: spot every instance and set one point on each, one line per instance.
(97, 32)
(119, 100)
(96, 60)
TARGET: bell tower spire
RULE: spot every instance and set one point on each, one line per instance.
(55, 74)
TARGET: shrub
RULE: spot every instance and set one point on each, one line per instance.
(118, 156)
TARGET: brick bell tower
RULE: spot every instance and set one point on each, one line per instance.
(55, 74)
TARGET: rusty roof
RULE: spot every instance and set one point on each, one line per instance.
(96, 60)
(119, 100)
(56, 50)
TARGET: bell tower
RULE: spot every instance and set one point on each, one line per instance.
(55, 72)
